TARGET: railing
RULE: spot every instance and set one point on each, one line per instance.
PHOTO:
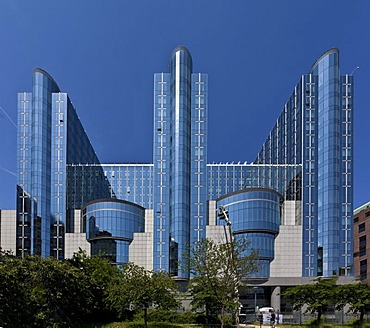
(338, 317)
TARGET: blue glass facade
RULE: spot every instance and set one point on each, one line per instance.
(334, 165)
(161, 172)
(26, 214)
(85, 183)
(315, 130)
(110, 226)
(198, 166)
(256, 216)
(131, 182)
(227, 178)
(307, 158)
(50, 136)
(180, 131)
(180, 159)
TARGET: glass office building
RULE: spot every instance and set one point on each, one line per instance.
(110, 225)
(256, 217)
(302, 175)
(315, 130)
(180, 158)
(50, 136)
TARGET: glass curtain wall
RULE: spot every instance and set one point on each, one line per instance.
(334, 142)
(199, 185)
(180, 154)
(161, 172)
(255, 214)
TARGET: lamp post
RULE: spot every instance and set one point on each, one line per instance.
(255, 288)
(223, 214)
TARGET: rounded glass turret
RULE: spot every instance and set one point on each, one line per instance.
(180, 134)
(255, 214)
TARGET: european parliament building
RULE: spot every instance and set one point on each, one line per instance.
(294, 202)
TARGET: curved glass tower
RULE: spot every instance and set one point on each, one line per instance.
(51, 136)
(180, 159)
(34, 166)
(110, 225)
(315, 131)
(334, 156)
(255, 214)
(307, 158)
(180, 129)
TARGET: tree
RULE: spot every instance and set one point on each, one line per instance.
(60, 293)
(316, 296)
(357, 296)
(42, 292)
(138, 288)
(100, 272)
(15, 301)
(219, 270)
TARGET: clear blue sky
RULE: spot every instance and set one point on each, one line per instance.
(104, 54)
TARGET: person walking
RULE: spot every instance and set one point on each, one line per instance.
(272, 319)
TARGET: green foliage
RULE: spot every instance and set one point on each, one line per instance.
(186, 317)
(60, 293)
(357, 296)
(355, 322)
(219, 270)
(324, 291)
(141, 324)
(313, 322)
(137, 288)
(42, 292)
(100, 273)
(315, 296)
(15, 300)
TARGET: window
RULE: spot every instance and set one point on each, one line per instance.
(363, 269)
(361, 227)
(367, 214)
(355, 220)
(362, 245)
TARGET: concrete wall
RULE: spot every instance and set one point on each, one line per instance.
(141, 248)
(75, 241)
(288, 253)
(8, 230)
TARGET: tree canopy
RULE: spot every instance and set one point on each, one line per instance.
(218, 271)
(316, 296)
(40, 291)
(137, 288)
(325, 291)
(357, 296)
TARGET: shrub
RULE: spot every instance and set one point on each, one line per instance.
(186, 317)
(355, 322)
(311, 322)
(137, 324)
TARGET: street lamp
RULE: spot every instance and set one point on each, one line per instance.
(255, 288)
(223, 214)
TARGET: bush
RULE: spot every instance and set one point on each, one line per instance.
(322, 323)
(168, 316)
(355, 322)
(311, 323)
(138, 324)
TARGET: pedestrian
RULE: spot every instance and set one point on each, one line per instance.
(272, 319)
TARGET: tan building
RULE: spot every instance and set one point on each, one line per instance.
(8, 231)
(361, 241)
